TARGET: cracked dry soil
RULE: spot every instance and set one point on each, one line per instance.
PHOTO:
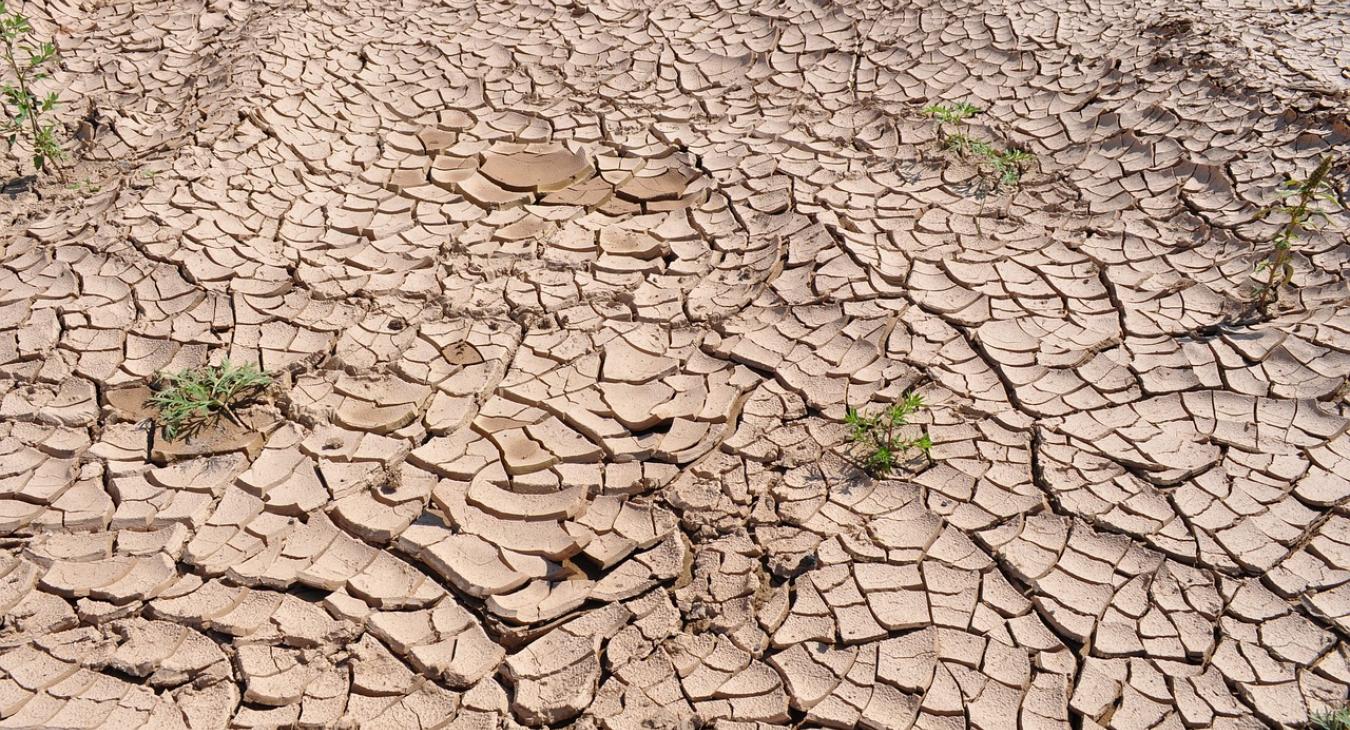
(566, 302)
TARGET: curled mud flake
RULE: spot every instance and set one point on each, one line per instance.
(591, 332)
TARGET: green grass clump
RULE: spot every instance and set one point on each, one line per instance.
(22, 111)
(191, 399)
(884, 448)
(1338, 719)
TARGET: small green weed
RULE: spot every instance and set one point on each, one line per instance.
(1007, 166)
(1338, 719)
(877, 434)
(190, 399)
(961, 144)
(1278, 266)
(23, 109)
(85, 186)
(956, 113)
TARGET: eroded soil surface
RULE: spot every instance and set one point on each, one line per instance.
(566, 302)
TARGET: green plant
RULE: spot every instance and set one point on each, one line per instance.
(22, 108)
(1009, 165)
(1278, 266)
(190, 399)
(956, 113)
(85, 186)
(1337, 719)
(959, 143)
(877, 434)
(1006, 165)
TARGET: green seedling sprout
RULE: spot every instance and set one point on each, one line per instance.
(955, 114)
(1006, 166)
(883, 447)
(1305, 195)
(23, 110)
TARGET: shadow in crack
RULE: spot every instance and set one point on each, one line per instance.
(21, 184)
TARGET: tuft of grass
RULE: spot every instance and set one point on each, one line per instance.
(1305, 196)
(21, 110)
(1337, 719)
(884, 448)
(191, 399)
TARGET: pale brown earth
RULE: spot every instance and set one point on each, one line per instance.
(566, 302)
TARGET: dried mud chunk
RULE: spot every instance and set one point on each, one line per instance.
(71, 403)
(274, 676)
(470, 563)
(166, 654)
(445, 642)
(658, 183)
(725, 683)
(378, 404)
(199, 606)
(380, 513)
(208, 706)
(624, 363)
(120, 579)
(485, 193)
(541, 601)
(218, 437)
(557, 675)
(304, 624)
(390, 583)
(549, 539)
(426, 705)
(541, 168)
(283, 477)
(811, 671)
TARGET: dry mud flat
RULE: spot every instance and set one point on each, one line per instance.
(567, 302)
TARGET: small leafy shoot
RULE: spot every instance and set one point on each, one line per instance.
(85, 186)
(951, 113)
(960, 144)
(22, 111)
(884, 448)
(192, 399)
(1006, 166)
(1307, 197)
(955, 114)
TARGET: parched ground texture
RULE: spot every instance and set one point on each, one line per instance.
(566, 302)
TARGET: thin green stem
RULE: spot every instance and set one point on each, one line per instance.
(22, 81)
(1279, 269)
(29, 102)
